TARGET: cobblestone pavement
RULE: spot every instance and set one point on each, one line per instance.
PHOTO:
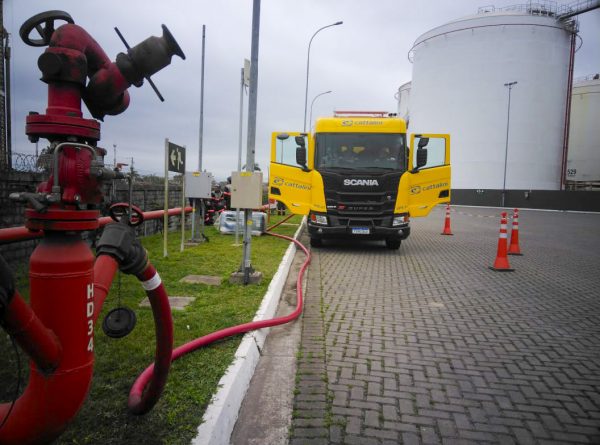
(427, 345)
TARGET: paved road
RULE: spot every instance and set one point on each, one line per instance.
(427, 345)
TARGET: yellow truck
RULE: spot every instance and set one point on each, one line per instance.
(356, 177)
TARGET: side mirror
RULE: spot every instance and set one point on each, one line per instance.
(283, 136)
(300, 141)
(423, 142)
(421, 155)
(301, 156)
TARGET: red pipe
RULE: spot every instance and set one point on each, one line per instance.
(147, 374)
(16, 234)
(107, 84)
(141, 402)
(61, 282)
(40, 343)
(565, 151)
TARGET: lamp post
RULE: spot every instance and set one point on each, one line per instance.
(308, 66)
(312, 103)
(509, 85)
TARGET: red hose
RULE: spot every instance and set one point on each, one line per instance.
(147, 375)
(279, 223)
(141, 402)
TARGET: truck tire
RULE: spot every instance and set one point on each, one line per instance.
(316, 242)
(392, 244)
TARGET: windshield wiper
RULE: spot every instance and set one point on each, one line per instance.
(337, 168)
(377, 167)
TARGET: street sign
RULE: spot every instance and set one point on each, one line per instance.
(176, 158)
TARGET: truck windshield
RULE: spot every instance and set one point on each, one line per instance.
(360, 151)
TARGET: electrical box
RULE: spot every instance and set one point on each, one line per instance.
(246, 190)
(198, 185)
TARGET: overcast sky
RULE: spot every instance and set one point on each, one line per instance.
(363, 62)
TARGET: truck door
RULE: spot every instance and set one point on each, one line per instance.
(290, 180)
(429, 182)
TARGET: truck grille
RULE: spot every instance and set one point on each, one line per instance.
(374, 203)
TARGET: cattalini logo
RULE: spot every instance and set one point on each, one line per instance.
(278, 181)
(415, 190)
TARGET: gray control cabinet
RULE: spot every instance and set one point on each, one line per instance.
(198, 185)
(246, 190)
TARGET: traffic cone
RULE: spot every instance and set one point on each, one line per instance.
(447, 230)
(501, 263)
(513, 248)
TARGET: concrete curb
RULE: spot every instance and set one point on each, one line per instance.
(220, 416)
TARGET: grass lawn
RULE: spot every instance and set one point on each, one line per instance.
(193, 380)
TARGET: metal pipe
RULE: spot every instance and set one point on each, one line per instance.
(311, 106)
(239, 165)
(16, 234)
(252, 105)
(61, 283)
(509, 85)
(565, 151)
(40, 343)
(201, 127)
(308, 66)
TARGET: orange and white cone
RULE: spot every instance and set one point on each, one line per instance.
(513, 248)
(501, 263)
(447, 230)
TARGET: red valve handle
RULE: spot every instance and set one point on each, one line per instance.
(44, 24)
(122, 209)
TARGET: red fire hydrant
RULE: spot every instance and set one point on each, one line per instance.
(68, 285)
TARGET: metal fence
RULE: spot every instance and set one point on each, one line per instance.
(27, 162)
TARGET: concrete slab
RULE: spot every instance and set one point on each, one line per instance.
(202, 279)
(238, 278)
(177, 303)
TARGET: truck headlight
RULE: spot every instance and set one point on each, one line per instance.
(400, 220)
(318, 219)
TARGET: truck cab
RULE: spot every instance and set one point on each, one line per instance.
(357, 176)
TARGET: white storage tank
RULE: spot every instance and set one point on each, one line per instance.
(403, 98)
(583, 161)
(458, 87)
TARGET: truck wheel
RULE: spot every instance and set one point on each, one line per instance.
(316, 242)
(392, 244)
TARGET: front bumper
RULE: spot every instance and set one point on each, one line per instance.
(319, 231)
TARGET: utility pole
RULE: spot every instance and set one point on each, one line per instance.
(4, 164)
(200, 141)
(246, 266)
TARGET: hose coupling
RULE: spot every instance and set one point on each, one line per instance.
(119, 241)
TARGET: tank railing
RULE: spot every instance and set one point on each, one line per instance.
(548, 9)
(595, 76)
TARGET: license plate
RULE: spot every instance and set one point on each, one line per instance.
(360, 230)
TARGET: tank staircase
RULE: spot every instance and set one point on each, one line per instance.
(565, 12)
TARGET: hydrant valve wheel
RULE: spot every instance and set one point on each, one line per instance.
(121, 209)
(44, 24)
